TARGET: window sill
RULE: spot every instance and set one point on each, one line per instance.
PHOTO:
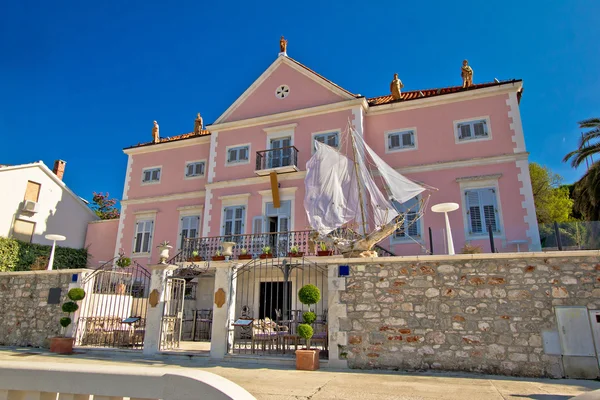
(150, 183)
(483, 236)
(188, 178)
(399, 150)
(478, 139)
(141, 255)
(413, 240)
(235, 164)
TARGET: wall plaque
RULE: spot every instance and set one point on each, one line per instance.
(54, 295)
(220, 297)
(153, 298)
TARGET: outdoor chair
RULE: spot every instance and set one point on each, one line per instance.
(320, 335)
(267, 333)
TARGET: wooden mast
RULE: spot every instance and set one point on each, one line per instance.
(360, 198)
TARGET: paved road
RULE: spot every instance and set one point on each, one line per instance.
(270, 383)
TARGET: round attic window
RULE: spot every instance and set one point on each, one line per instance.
(282, 91)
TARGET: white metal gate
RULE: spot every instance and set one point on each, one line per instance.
(170, 334)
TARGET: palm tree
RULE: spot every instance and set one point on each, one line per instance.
(586, 194)
(586, 149)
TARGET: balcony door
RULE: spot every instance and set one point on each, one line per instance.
(280, 154)
(277, 221)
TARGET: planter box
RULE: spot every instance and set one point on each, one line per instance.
(323, 253)
(61, 345)
(299, 254)
(218, 258)
(197, 258)
(263, 256)
(245, 257)
(307, 360)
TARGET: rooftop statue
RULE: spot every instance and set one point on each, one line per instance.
(466, 74)
(155, 134)
(396, 88)
(282, 45)
(198, 124)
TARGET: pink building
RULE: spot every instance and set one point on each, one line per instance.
(467, 143)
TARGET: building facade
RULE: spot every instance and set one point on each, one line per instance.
(468, 143)
(36, 202)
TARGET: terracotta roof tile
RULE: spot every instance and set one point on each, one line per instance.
(173, 138)
(420, 94)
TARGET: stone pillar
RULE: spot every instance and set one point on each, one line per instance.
(336, 313)
(223, 310)
(154, 314)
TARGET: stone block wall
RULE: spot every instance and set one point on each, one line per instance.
(26, 319)
(465, 313)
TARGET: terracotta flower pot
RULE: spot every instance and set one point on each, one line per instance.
(61, 345)
(307, 360)
(245, 257)
(323, 253)
(218, 258)
(299, 254)
(263, 256)
(120, 288)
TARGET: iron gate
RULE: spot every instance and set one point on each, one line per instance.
(113, 312)
(267, 308)
(170, 334)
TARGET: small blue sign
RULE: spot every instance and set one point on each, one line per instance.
(344, 270)
(74, 277)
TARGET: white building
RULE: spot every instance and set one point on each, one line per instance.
(35, 202)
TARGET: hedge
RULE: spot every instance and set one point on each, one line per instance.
(16, 255)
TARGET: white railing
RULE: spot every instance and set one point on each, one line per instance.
(62, 381)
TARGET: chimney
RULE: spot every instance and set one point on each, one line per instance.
(59, 168)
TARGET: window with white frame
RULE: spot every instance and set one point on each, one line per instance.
(151, 175)
(331, 139)
(189, 228)
(238, 154)
(411, 227)
(401, 140)
(233, 220)
(482, 210)
(475, 129)
(143, 236)
(193, 169)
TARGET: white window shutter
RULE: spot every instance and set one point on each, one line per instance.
(474, 211)
(258, 224)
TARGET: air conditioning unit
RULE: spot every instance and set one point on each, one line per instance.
(30, 206)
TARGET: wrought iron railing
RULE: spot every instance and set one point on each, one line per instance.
(251, 246)
(277, 158)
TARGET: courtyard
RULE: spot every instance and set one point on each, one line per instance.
(270, 382)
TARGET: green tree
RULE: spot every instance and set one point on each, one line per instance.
(552, 201)
(104, 206)
(588, 145)
(586, 194)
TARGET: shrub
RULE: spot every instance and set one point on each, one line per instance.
(70, 307)
(309, 294)
(16, 255)
(65, 321)
(123, 262)
(305, 331)
(470, 249)
(76, 294)
(309, 317)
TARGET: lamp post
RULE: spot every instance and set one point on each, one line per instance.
(54, 238)
(446, 208)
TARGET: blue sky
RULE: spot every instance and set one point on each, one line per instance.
(80, 80)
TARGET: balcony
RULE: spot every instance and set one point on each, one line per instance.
(202, 249)
(284, 159)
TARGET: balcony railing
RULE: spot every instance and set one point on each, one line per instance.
(284, 159)
(280, 244)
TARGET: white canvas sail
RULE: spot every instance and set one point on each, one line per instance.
(401, 188)
(331, 198)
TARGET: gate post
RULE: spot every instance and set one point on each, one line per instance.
(223, 310)
(154, 313)
(336, 315)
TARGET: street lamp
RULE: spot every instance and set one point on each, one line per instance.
(446, 208)
(54, 238)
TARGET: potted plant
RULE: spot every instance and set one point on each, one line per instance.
(244, 254)
(64, 344)
(163, 249)
(266, 252)
(218, 256)
(295, 252)
(195, 256)
(308, 359)
(323, 250)
(122, 262)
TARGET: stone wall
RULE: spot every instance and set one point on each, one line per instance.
(26, 319)
(482, 313)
